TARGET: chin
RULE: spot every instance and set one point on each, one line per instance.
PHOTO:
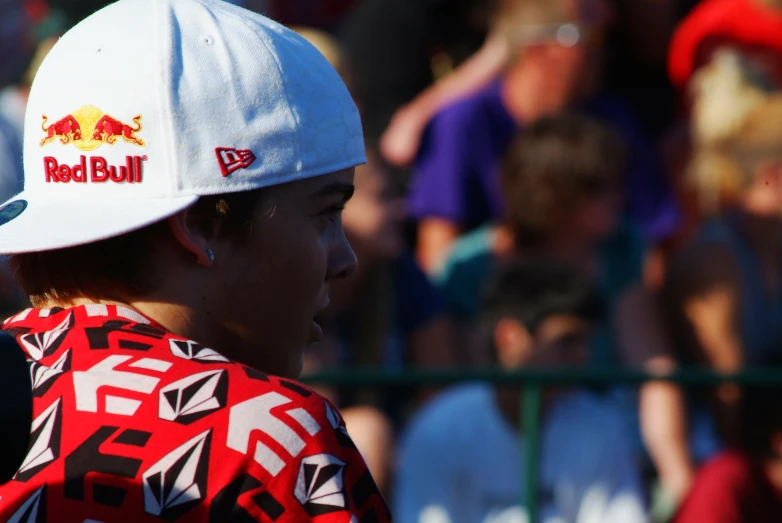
(296, 371)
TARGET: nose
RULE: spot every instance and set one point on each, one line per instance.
(342, 260)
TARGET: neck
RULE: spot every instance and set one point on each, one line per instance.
(179, 317)
(564, 247)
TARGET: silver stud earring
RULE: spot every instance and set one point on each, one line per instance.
(210, 254)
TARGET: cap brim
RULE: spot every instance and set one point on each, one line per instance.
(35, 224)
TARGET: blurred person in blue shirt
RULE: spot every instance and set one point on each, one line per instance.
(459, 460)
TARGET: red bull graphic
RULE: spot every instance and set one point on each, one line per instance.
(67, 130)
(109, 129)
(95, 169)
(88, 128)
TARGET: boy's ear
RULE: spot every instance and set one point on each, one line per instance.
(514, 343)
(191, 237)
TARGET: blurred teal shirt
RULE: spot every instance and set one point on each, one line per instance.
(472, 261)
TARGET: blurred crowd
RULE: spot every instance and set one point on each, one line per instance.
(550, 184)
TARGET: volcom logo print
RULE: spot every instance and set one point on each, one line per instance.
(194, 397)
(190, 350)
(320, 486)
(44, 442)
(45, 343)
(177, 482)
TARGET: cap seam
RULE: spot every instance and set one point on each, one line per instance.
(262, 38)
(165, 102)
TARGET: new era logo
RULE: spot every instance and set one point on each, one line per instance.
(231, 160)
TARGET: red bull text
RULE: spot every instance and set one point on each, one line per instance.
(99, 170)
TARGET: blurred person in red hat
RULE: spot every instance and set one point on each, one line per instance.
(722, 290)
(752, 26)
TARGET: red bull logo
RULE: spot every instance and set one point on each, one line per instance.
(88, 128)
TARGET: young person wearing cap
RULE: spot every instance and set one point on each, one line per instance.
(178, 230)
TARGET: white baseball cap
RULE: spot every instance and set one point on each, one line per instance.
(149, 104)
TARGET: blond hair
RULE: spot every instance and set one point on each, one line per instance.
(328, 46)
(736, 125)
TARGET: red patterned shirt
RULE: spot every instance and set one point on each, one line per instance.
(132, 423)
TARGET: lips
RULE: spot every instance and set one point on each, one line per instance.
(316, 331)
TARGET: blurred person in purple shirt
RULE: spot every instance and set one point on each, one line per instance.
(555, 63)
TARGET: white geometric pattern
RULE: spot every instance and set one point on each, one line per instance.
(332, 416)
(304, 419)
(87, 383)
(152, 364)
(255, 415)
(191, 350)
(164, 491)
(131, 315)
(320, 484)
(41, 374)
(19, 317)
(334, 419)
(45, 448)
(121, 406)
(195, 394)
(38, 345)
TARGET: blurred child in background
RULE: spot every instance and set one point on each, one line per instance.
(460, 457)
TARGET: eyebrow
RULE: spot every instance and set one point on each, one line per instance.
(345, 190)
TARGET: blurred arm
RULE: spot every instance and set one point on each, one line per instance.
(435, 236)
(707, 305)
(399, 143)
(662, 413)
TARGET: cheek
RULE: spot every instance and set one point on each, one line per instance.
(296, 257)
(282, 286)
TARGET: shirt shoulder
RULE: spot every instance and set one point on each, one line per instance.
(587, 409)
(473, 114)
(446, 418)
(601, 426)
(191, 435)
(466, 271)
(295, 443)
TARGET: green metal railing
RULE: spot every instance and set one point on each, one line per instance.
(533, 382)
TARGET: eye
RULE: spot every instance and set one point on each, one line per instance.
(331, 214)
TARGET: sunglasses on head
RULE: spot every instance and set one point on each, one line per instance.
(567, 35)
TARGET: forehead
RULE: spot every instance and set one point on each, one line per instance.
(316, 186)
(591, 11)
